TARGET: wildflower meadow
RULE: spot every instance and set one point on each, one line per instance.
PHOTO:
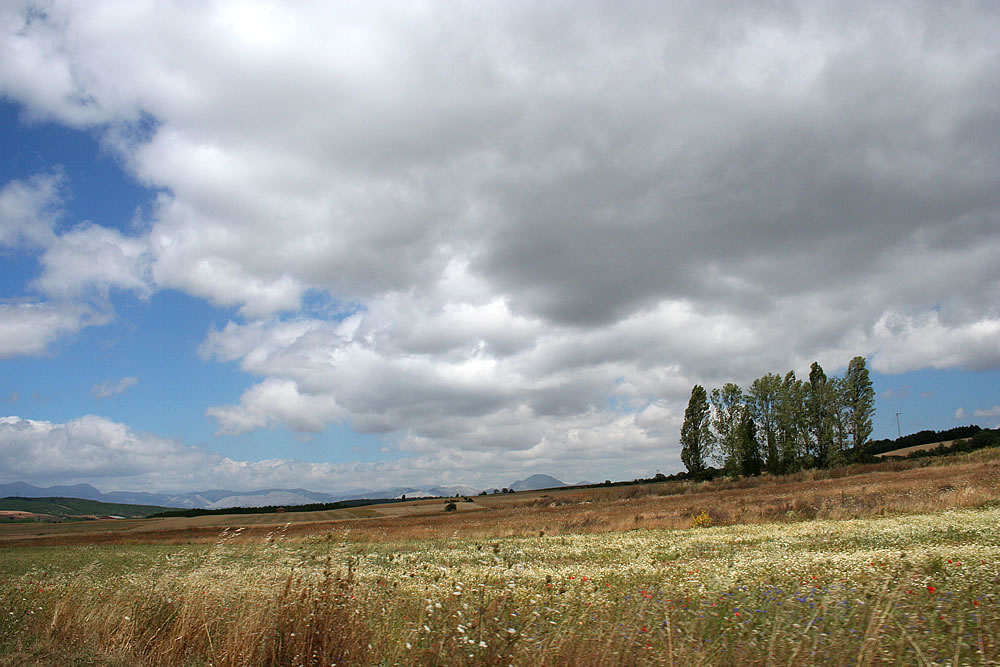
(911, 589)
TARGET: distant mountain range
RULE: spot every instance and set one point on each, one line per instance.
(222, 498)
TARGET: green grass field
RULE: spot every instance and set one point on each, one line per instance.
(77, 507)
(917, 589)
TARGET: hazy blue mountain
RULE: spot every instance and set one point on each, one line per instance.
(536, 482)
(222, 498)
(23, 490)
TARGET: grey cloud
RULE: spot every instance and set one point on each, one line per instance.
(632, 155)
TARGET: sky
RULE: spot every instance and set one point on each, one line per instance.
(361, 245)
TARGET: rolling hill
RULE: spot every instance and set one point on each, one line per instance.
(71, 508)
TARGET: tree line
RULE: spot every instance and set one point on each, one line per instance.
(780, 424)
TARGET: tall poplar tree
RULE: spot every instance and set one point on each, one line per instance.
(793, 422)
(839, 414)
(728, 412)
(859, 399)
(748, 460)
(696, 436)
(819, 406)
(763, 400)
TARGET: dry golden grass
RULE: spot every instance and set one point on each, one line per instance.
(894, 487)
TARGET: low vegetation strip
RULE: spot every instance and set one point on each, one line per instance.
(274, 509)
(906, 451)
(76, 508)
(901, 590)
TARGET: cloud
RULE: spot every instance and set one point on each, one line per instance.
(29, 209)
(585, 174)
(30, 328)
(988, 412)
(959, 414)
(76, 265)
(113, 387)
(91, 448)
(537, 219)
(93, 258)
(906, 343)
(112, 456)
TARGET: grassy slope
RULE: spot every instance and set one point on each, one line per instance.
(76, 507)
(916, 448)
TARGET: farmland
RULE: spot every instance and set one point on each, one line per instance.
(887, 564)
(74, 508)
(917, 448)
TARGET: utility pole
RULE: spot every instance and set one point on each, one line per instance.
(899, 432)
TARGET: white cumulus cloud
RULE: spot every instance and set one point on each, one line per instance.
(29, 328)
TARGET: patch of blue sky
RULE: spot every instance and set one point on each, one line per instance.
(322, 305)
(95, 187)
(929, 399)
(19, 269)
(629, 404)
(154, 341)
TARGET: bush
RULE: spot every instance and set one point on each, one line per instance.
(702, 520)
(450, 507)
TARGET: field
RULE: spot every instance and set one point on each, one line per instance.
(916, 448)
(74, 508)
(820, 568)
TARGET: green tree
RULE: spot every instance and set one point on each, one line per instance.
(728, 407)
(696, 436)
(792, 422)
(819, 404)
(859, 400)
(748, 459)
(838, 454)
(763, 400)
